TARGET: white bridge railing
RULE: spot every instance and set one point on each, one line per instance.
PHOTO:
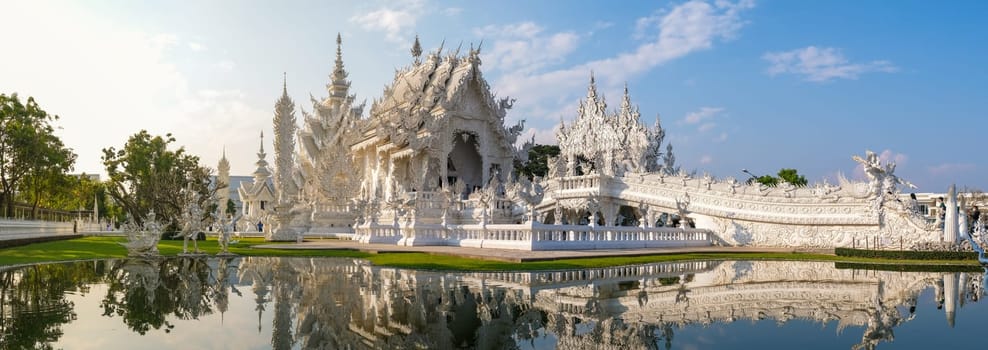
(533, 236)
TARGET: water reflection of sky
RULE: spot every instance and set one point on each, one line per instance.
(337, 302)
(237, 328)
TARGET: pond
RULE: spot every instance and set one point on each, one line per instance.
(332, 303)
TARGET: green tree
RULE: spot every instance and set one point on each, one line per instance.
(231, 207)
(32, 158)
(145, 175)
(538, 161)
(792, 176)
(767, 180)
(785, 175)
(48, 178)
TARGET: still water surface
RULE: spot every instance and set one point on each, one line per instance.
(330, 303)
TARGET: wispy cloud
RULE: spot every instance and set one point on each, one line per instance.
(396, 21)
(452, 11)
(704, 113)
(950, 168)
(525, 47)
(820, 64)
(721, 138)
(706, 159)
(681, 30)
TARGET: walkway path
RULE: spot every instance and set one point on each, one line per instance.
(524, 255)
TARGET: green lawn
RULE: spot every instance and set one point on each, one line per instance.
(109, 247)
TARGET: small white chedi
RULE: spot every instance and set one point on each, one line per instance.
(432, 163)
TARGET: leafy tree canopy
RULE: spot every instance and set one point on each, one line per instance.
(33, 159)
(538, 161)
(787, 175)
(145, 175)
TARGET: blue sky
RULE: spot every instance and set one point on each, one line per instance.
(738, 84)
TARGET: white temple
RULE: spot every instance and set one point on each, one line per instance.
(432, 163)
(257, 196)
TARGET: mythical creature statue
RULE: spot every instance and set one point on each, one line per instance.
(226, 229)
(530, 193)
(881, 178)
(142, 241)
(191, 222)
(682, 207)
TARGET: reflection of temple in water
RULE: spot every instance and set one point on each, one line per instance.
(340, 303)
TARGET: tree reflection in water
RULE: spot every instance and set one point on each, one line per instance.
(342, 303)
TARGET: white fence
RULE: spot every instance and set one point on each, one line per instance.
(533, 236)
(14, 229)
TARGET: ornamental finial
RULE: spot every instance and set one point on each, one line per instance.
(416, 49)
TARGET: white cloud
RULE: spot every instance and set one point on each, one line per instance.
(889, 156)
(684, 29)
(601, 25)
(116, 82)
(542, 136)
(950, 169)
(703, 114)
(452, 11)
(721, 138)
(820, 64)
(396, 22)
(706, 159)
(522, 47)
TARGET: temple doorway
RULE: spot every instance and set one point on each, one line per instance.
(464, 162)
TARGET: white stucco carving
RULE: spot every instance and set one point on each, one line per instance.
(434, 156)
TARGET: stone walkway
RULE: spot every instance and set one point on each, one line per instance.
(524, 255)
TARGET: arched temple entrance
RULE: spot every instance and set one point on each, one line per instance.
(464, 162)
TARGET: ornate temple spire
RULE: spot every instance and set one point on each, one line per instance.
(224, 164)
(626, 107)
(592, 89)
(338, 86)
(417, 50)
(284, 142)
(262, 173)
(223, 176)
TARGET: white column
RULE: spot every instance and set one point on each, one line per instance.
(950, 217)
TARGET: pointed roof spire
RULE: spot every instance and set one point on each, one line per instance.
(626, 107)
(338, 86)
(262, 173)
(223, 167)
(284, 83)
(417, 50)
(592, 89)
(339, 51)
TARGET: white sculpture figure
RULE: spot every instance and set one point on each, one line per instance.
(707, 180)
(734, 184)
(225, 229)
(530, 193)
(142, 241)
(191, 222)
(593, 206)
(682, 206)
(881, 179)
